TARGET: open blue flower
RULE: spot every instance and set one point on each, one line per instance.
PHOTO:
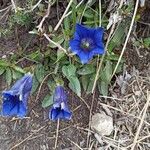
(87, 42)
(15, 99)
(60, 108)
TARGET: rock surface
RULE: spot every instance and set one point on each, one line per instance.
(102, 124)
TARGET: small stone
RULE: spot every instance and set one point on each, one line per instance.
(102, 124)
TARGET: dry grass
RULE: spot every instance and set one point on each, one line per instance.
(131, 115)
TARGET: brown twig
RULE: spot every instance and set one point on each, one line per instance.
(57, 132)
(141, 122)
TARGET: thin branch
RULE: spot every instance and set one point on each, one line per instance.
(102, 59)
(75, 144)
(141, 122)
(57, 132)
(63, 16)
(127, 38)
(5, 8)
(14, 5)
(38, 93)
(56, 44)
(43, 19)
(100, 13)
(36, 5)
(75, 8)
(101, 62)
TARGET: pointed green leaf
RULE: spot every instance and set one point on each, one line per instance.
(69, 70)
(40, 72)
(2, 70)
(48, 100)
(103, 88)
(75, 85)
(91, 83)
(16, 75)
(35, 84)
(87, 69)
(8, 76)
(85, 82)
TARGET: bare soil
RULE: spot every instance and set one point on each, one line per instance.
(37, 132)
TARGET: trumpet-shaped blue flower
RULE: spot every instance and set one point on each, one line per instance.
(15, 99)
(87, 42)
(60, 108)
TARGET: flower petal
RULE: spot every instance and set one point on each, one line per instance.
(96, 51)
(24, 84)
(9, 106)
(15, 99)
(84, 31)
(53, 114)
(81, 30)
(59, 95)
(98, 36)
(84, 57)
(67, 115)
(75, 46)
(21, 110)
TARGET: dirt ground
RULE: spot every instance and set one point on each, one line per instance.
(37, 132)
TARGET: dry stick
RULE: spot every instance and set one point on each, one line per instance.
(43, 19)
(75, 144)
(100, 13)
(127, 38)
(57, 131)
(14, 6)
(21, 142)
(56, 44)
(26, 139)
(126, 113)
(38, 93)
(75, 8)
(100, 64)
(138, 141)
(142, 120)
(88, 135)
(46, 36)
(36, 5)
(5, 8)
(63, 16)
(84, 102)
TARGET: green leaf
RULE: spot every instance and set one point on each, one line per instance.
(4, 63)
(16, 74)
(85, 82)
(40, 72)
(35, 84)
(69, 70)
(18, 69)
(103, 88)
(87, 69)
(107, 72)
(48, 100)
(51, 85)
(119, 68)
(91, 83)
(60, 54)
(119, 35)
(8, 76)
(58, 39)
(147, 42)
(75, 85)
(2, 70)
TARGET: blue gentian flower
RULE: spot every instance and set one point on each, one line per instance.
(15, 99)
(60, 108)
(87, 42)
